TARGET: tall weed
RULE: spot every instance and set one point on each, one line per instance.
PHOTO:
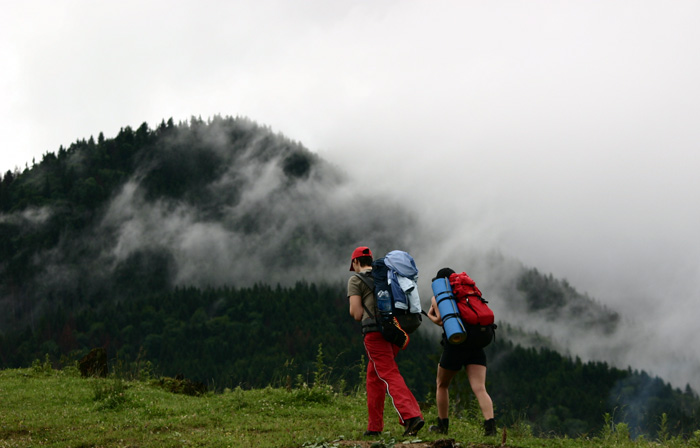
(109, 393)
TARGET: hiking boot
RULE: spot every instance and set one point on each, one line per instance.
(490, 427)
(369, 433)
(441, 427)
(413, 425)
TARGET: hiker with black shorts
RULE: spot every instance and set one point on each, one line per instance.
(453, 358)
(383, 376)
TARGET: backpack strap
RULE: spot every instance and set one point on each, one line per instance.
(368, 311)
(365, 279)
(371, 324)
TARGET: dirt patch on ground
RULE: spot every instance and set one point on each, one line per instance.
(499, 441)
(442, 443)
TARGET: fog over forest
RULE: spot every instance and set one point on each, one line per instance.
(560, 136)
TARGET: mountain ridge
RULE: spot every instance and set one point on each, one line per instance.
(190, 193)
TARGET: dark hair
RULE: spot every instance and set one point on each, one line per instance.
(364, 260)
(444, 273)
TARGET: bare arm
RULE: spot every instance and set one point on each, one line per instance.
(356, 307)
(434, 312)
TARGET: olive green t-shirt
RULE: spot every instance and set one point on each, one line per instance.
(356, 287)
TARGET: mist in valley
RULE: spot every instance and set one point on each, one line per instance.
(488, 137)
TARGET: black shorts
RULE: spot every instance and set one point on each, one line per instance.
(455, 357)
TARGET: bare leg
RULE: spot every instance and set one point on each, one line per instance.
(442, 394)
(477, 380)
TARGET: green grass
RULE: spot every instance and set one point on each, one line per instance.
(40, 406)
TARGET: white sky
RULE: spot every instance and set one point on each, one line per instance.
(564, 133)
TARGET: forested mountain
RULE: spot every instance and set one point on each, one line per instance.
(219, 249)
(224, 202)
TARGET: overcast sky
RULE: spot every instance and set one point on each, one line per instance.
(563, 133)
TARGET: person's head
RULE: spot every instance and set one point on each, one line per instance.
(363, 256)
(444, 273)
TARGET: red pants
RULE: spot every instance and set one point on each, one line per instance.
(383, 377)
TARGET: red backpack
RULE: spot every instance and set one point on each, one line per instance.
(474, 310)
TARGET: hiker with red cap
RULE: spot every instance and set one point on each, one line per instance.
(383, 376)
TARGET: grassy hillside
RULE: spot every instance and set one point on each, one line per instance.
(232, 337)
(40, 406)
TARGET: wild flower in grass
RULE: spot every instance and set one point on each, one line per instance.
(622, 432)
(472, 409)
(317, 394)
(321, 373)
(109, 394)
(71, 369)
(663, 434)
(321, 442)
(521, 428)
(615, 433)
(607, 431)
(694, 440)
(385, 442)
(299, 381)
(44, 367)
(362, 378)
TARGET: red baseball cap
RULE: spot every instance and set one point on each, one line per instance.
(362, 251)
